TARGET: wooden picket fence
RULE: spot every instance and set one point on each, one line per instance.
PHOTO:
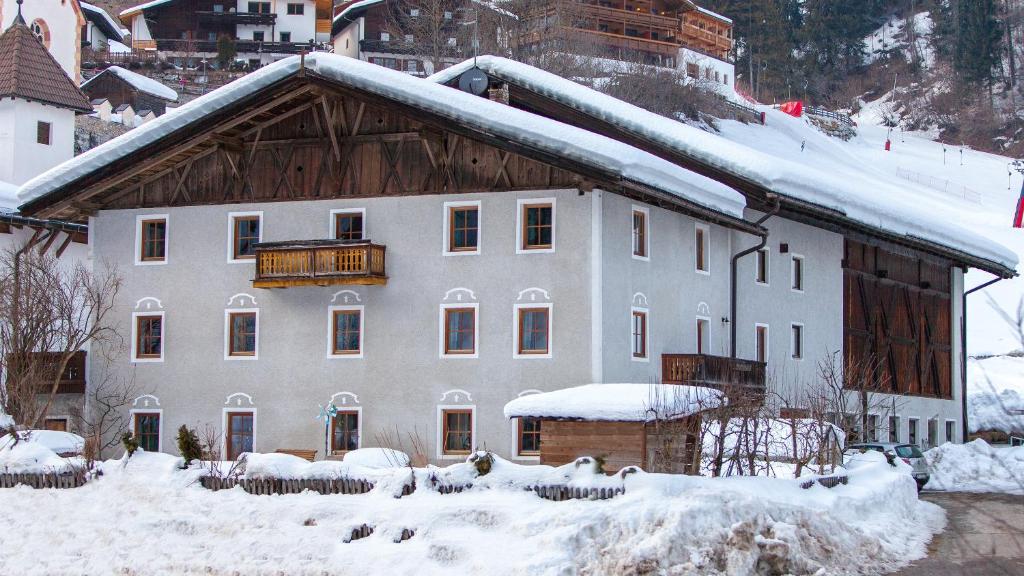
(66, 480)
(267, 486)
(559, 493)
(826, 481)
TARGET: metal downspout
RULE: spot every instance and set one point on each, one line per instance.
(732, 276)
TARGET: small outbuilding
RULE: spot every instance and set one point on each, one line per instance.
(143, 116)
(102, 108)
(124, 114)
(122, 86)
(653, 426)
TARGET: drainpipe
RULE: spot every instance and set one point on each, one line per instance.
(735, 260)
(963, 351)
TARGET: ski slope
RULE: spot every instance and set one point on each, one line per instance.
(972, 188)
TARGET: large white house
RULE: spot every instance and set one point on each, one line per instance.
(327, 232)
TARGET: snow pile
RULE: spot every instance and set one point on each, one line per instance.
(616, 402)
(995, 394)
(8, 197)
(139, 82)
(976, 467)
(63, 443)
(30, 458)
(5, 420)
(376, 458)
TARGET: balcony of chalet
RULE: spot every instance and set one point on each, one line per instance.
(72, 380)
(235, 18)
(319, 263)
(241, 46)
(712, 371)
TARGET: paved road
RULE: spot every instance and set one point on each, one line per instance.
(984, 536)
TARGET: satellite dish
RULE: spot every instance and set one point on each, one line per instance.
(474, 81)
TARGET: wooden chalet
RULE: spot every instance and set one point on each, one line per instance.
(120, 86)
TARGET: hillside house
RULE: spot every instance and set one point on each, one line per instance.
(325, 231)
(121, 86)
(100, 29)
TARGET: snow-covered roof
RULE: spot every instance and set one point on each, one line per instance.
(616, 402)
(868, 200)
(8, 197)
(111, 29)
(605, 155)
(139, 82)
(141, 7)
(716, 15)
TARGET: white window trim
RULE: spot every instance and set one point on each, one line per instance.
(330, 333)
(160, 430)
(767, 341)
(792, 273)
(231, 236)
(359, 428)
(138, 239)
(331, 225)
(647, 334)
(899, 425)
(227, 333)
(447, 228)
(135, 337)
(647, 232)
(918, 420)
(439, 438)
(707, 249)
(767, 267)
(696, 332)
(476, 330)
(946, 423)
(792, 342)
(521, 204)
(224, 428)
(515, 330)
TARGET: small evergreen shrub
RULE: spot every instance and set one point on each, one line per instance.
(131, 443)
(189, 445)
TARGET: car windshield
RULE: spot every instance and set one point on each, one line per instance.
(909, 451)
(859, 447)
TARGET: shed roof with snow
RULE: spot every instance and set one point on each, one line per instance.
(616, 403)
(136, 81)
(99, 17)
(867, 204)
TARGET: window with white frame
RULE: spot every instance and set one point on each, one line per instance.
(457, 429)
(873, 428)
(460, 330)
(762, 266)
(703, 335)
(701, 248)
(536, 226)
(151, 238)
(532, 330)
(638, 333)
(345, 331)
(797, 273)
(797, 341)
(640, 237)
(761, 342)
(245, 230)
(148, 337)
(241, 334)
(348, 224)
(894, 428)
(950, 430)
(912, 437)
(345, 431)
(461, 228)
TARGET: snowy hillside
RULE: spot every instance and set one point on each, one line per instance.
(961, 185)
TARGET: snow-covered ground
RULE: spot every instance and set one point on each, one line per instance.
(976, 467)
(995, 394)
(144, 515)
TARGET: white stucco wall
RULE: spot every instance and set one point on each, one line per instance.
(726, 70)
(346, 42)
(302, 27)
(21, 156)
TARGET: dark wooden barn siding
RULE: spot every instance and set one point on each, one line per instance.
(897, 318)
(119, 92)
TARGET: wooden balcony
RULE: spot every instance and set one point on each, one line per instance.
(318, 263)
(72, 381)
(234, 18)
(712, 371)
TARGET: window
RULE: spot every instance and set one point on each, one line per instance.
(529, 436)
(457, 431)
(639, 334)
(56, 424)
(245, 232)
(242, 334)
(894, 428)
(533, 331)
(761, 342)
(933, 432)
(43, 132)
(462, 233)
(147, 430)
(447, 15)
(240, 432)
(296, 9)
(700, 246)
(460, 331)
(798, 341)
(152, 240)
(950, 430)
(409, 38)
(286, 36)
(347, 331)
(912, 431)
(640, 241)
(761, 267)
(798, 273)
(348, 224)
(257, 36)
(414, 12)
(218, 8)
(385, 36)
(259, 7)
(345, 431)
(149, 337)
(873, 428)
(410, 66)
(41, 31)
(703, 335)
(537, 226)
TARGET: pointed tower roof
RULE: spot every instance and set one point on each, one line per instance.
(29, 71)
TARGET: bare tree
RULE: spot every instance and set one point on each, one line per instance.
(103, 419)
(853, 392)
(50, 310)
(431, 30)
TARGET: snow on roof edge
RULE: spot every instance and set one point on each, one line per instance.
(504, 121)
(714, 14)
(140, 82)
(140, 7)
(355, 6)
(783, 176)
(96, 9)
(626, 402)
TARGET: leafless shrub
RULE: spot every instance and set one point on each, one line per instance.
(210, 440)
(103, 419)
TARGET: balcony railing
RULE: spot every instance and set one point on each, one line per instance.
(318, 263)
(248, 18)
(713, 371)
(72, 381)
(241, 46)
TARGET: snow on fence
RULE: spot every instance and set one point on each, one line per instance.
(944, 186)
(65, 480)
(839, 117)
(267, 486)
(826, 481)
(559, 493)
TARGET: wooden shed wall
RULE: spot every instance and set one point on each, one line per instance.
(621, 444)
